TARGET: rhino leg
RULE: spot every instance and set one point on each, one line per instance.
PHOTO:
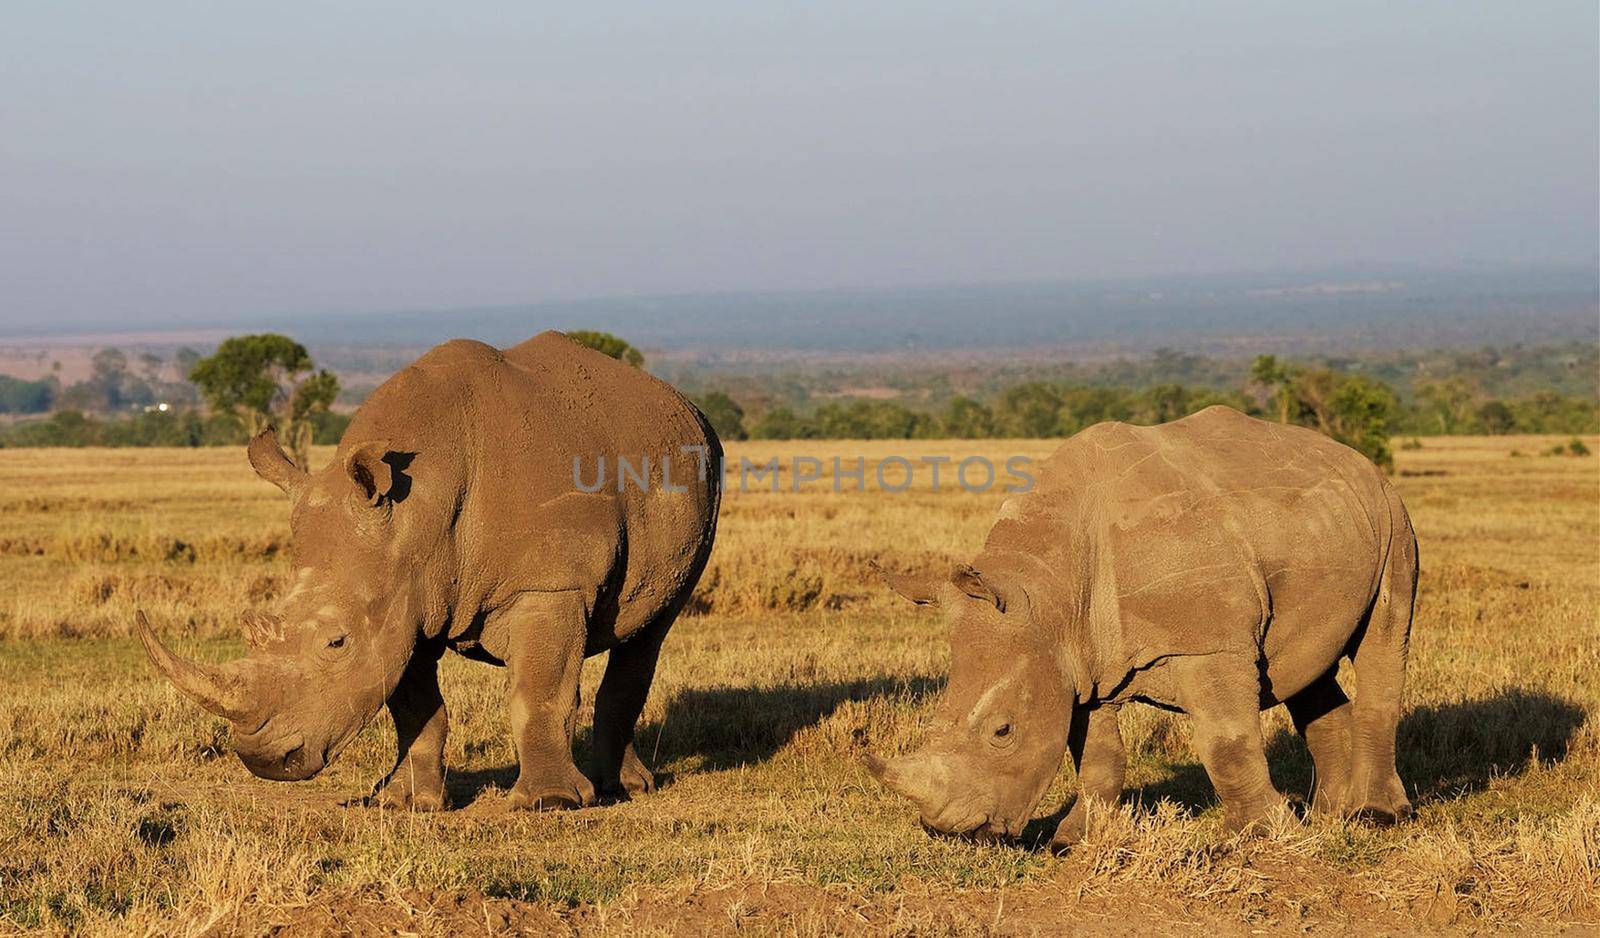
(544, 658)
(616, 769)
(1321, 714)
(1222, 692)
(420, 723)
(1376, 792)
(1095, 741)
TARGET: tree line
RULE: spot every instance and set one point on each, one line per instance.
(1354, 408)
(254, 381)
(115, 383)
(249, 383)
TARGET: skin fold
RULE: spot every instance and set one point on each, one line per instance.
(1216, 565)
(451, 520)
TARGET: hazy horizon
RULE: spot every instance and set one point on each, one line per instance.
(177, 162)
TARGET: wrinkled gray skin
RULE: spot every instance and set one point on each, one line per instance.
(1215, 566)
(450, 519)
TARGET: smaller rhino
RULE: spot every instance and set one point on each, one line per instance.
(1215, 566)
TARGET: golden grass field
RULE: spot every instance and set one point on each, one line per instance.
(123, 811)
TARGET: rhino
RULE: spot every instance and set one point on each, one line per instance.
(461, 513)
(1216, 566)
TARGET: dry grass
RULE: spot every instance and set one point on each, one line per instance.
(123, 811)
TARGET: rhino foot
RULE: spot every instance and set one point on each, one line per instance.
(1257, 819)
(566, 790)
(632, 779)
(1069, 833)
(636, 779)
(1331, 797)
(409, 789)
(1075, 826)
(1386, 805)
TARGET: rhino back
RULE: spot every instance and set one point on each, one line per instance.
(496, 436)
(1192, 537)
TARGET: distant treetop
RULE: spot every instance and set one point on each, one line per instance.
(267, 379)
(608, 344)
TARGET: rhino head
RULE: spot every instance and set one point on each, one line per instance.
(321, 666)
(1001, 730)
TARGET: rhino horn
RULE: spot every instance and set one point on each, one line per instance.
(910, 775)
(219, 689)
(271, 463)
(259, 629)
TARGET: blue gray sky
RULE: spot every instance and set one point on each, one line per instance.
(166, 161)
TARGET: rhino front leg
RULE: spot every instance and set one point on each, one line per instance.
(420, 723)
(617, 770)
(544, 656)
(1222, 693)
(1095, 741)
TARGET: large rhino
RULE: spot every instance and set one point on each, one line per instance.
(453, 517)
(1214, 566)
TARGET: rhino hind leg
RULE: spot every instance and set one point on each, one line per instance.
(1376, 792)
(1322, 716)
(1222, 693)
(1098, 756)
(421, 723)
(544, 661)
(616, 769)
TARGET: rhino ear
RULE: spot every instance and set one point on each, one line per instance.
(972, 583)
(924, 591)
(370, 467)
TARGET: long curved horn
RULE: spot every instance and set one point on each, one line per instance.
(272, 464)
(210, 686)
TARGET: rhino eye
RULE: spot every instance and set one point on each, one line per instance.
(337, 642)
(1003, 731)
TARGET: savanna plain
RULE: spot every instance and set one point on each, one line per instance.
(123, 811)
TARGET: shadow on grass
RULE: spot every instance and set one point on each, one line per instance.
(721, 727)
(1446, 751)
(1449, 750)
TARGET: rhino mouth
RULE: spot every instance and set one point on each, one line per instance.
(980, 827)
(286, 759)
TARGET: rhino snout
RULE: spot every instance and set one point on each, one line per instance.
(287, 759)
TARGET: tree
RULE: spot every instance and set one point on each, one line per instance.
(1084, 407)
(1353, 409)
(314, 395)
(966, 419)
(266, 380)
(25, 397)
(151, 364)
(110, 387)
(186, 358)
(1447, 402)
(725, 415)
(607, 344)
(1360, 412)
(1549, 412)
(1276, 379)
(781, 423)
(1496, 418)
(1029, 410)
(870, 420)
(1167, 402)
